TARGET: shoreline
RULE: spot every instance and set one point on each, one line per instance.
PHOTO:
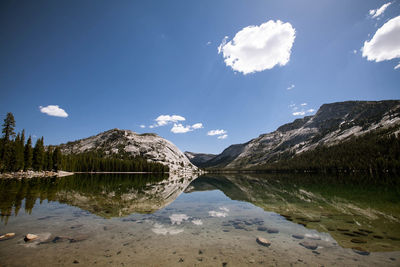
(34, 174)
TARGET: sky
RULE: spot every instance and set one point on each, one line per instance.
(202, 74)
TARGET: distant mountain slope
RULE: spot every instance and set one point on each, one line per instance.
(150, 146)
(198, 159)
(333, 123)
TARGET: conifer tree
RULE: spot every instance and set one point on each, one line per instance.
(28, 154)
(57, 159)
(49, 158)
(38, 155)
(8, 127)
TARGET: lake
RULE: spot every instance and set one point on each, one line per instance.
(211, 220)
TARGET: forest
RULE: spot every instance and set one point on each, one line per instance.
(18, 155)
(375, 152)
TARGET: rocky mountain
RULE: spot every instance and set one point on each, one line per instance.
(199, 159)
(332, 124)
(148, 145)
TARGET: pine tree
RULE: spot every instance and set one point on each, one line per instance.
(57, 159)
(19, 151)
(28, 154)
(6, 156)
(49, 158)
(38, 155)
(8, 127)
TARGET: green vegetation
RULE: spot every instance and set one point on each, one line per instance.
(16, 155)
(13, 192)
(97, 162)
(374, 152)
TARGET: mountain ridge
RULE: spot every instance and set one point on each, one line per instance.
(333, 123)
(147, 145)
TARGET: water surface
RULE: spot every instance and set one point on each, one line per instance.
(147, 220)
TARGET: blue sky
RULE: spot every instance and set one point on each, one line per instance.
(122, 64)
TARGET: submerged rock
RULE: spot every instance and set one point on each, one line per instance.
(263, 242)
(358, 241)
(7, 236)
(298, 236)
(309, 245)
(262, 228)
(30, 237)
(272, 230)
(360, 251)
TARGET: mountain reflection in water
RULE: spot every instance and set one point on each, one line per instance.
(354, 214)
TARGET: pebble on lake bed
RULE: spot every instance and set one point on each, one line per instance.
(7, 236)
(298, 236)
(30, 237)
(262, 241)
(309, 245)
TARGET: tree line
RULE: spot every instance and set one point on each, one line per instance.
(375, 152)
(18, 155)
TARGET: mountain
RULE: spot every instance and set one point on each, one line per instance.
(332, 124)
(325, 203)
(148, 145)
(199, 159)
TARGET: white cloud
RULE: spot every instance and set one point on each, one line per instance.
(142, 126)
(54, 110)
(379, 11)
(197, 126)
(165, 119)
(296, 111)
(385, 44)
(354, 51)
(258, 48)
(299, 113)
(290, 87)
(216, 132)
(222, 136)
(179, 128)
(208, 43)
(396, 67)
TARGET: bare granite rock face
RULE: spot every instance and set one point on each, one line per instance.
(332, 124)
(150, 146)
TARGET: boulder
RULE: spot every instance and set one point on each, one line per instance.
(7, 236)
(30, 237)
(309, 245)
(263, 242)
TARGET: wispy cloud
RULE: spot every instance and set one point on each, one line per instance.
(221, 134)
(384, 45)
(165, 119)
(300, 111)
(142, 126)
(179, 128)
(176, 120)
(208, 43)
(375, 13)
(224, 136)
(290, 87)
(258, 48)
(396, 67)
(53, 110)
(216, 132)
(197, 126)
